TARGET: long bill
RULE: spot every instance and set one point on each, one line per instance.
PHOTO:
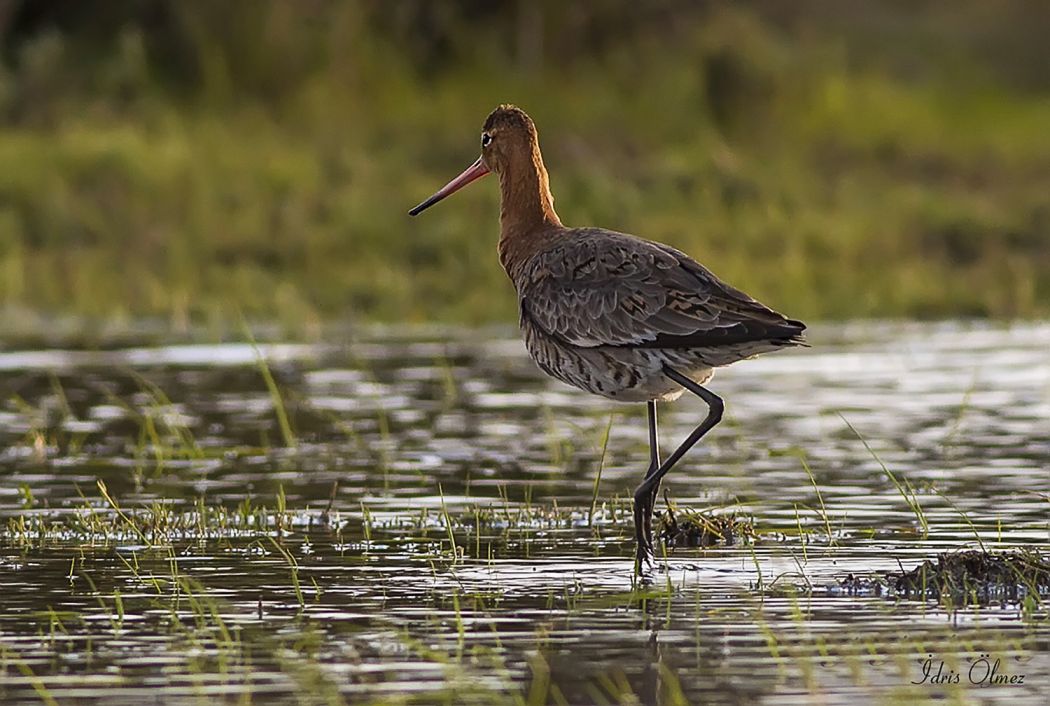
(474, 171)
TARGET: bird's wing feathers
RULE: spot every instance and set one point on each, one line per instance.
(601, 288)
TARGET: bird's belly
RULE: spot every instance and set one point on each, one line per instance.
(624, 374)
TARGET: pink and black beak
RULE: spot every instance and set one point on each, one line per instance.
(471, 173)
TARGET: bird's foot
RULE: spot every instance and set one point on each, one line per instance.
(644, 561)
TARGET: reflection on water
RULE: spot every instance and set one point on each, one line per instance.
(354, 592)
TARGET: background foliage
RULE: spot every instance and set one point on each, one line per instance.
(194, 159)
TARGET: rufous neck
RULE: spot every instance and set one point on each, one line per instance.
(526, 201)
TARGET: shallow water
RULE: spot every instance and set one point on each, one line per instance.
(346, 587)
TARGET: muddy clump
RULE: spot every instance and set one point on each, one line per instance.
(966, 577)
(689, 528)
(978, 574)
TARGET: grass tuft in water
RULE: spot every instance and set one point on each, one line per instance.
(601, 466)
(287, 433)
(974, 574)
(903, 486)
(969, 577)
(691, 528)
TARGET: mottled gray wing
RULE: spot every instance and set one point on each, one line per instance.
(602, 288)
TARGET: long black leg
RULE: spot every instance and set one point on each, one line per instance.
(654, 455)
(654, 439)
(643, 514)
(645, 495)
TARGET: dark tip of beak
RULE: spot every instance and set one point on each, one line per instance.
(474, 171)
(424, 206)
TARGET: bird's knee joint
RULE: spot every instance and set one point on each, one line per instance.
(642, 492)
(717, 407)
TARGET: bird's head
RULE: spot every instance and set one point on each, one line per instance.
(507, 138)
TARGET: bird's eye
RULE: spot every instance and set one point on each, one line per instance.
(485, 139)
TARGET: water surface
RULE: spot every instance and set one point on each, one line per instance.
(256, 561)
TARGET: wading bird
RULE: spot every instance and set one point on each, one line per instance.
(613, 314)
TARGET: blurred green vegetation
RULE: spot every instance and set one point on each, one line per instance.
(199, 160)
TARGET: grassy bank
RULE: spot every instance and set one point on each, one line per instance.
(832, 171)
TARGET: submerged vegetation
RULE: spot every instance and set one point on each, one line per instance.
(197, 161)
